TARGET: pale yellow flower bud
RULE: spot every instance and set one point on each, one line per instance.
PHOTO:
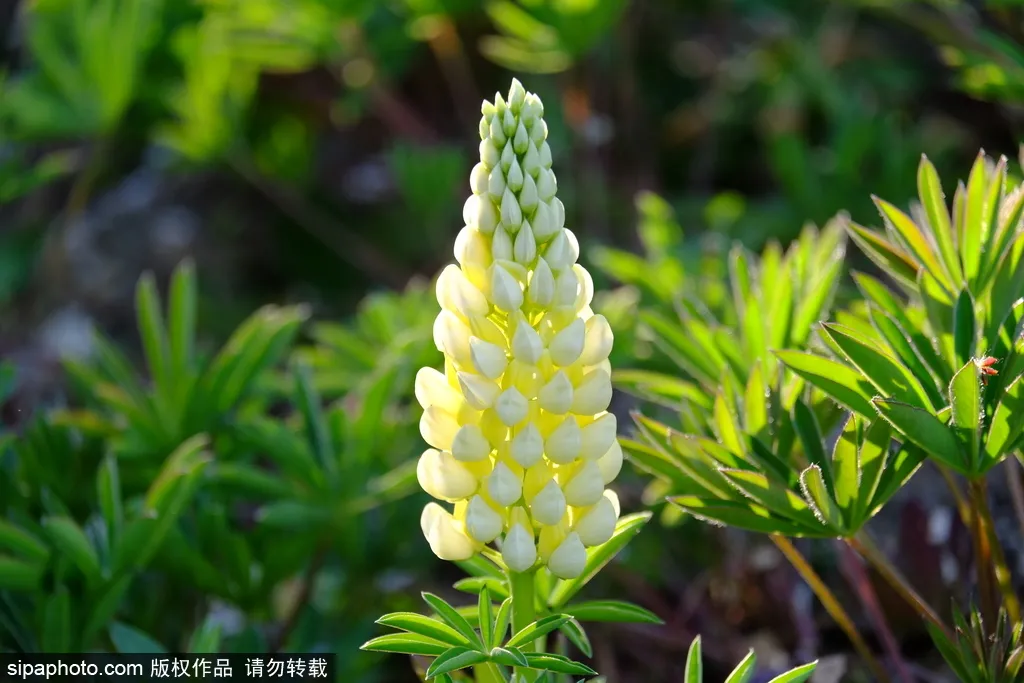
(586, 486)
(518, 550)
(610, 463)
(479, 392)
(527, 446)
(488, 359)
(443, 477)
(567, 345)
(556, 396)
(599, 339)
(549, 506)
(597, 524)
(506, 292)
(503, 485)
(521, 440)
(569, 558)
(564, 443)
(511, 407)
(598, 436)
(470, 444)
(483, 523)
(446, 536)
(593, 394)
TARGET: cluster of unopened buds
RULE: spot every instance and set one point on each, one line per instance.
(522, 443)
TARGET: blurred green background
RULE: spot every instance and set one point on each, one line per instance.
(313, 156)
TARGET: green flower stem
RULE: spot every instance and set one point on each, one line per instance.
(867, 548)
(521, 587)
(962, 507)
(990, 558)
(831, 604)
(487, 673)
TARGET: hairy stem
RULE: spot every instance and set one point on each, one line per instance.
(990, 558)
(831, 604)
(864, 545)
(521, 587)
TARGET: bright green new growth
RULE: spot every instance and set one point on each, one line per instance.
(744, 671)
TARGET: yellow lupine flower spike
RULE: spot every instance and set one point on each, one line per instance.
(521, 440)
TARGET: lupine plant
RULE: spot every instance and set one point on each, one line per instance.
(788, 436)
(522, 444)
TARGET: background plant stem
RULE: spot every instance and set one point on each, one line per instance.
(867, 548)
(990, 558)
(521, 587)
(831, 604)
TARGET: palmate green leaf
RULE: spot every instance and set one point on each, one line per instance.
(425, 626)
(873, 459)
(964, 328)
(656, 463)
(185, 458)
(611, 611)
(745, 670)
(452, 618)
(890, 258)
(20, 575)
(983, 190)
(825, 509)
(501, 623)
(845, 468)
(930, 191)
(108, 492)
(883, 371)
(130, 640)
(999, 248)
(661, 389)
(537, 629)
(16, 540)
(745, 515)
(910, 235)
(1006, 425)
(71, 542)
(925, 430)
(544, 661)
(693, 671)
(680, 348)
(838, 381)
(625, 530)
(105, 607)
(574, 633)
(906, 352)
(56, 635)
(485, 615)
(454, 659)
(317, 433)
(965, 403)
(797, 675)
(778, 499)
(806, 425)
(406, 643)
(247, 480)
(939, 307)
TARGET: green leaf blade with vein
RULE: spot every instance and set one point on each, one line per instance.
(694, 668)
(841, 383)
(965, 402)
(925, 430)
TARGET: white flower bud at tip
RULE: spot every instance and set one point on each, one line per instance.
(496, 133)
(489, 154)
(525, 249)
(483, 127)
(564, 442)
(567, 345)
(504, 487)
(567, 287)
(443, 477)
(506, 292)
(531, 161)
(586, 487)
(487, 109)
(539, 133)
(599, 340)
(480, 392)
(496, 184)
(543, 223)
(542, 284)
(515, 176)
(443, 533)
(527, 345)
(559, 253)
(528, 197)
(501, 245)
(545, 154)
(518, 550)
(521, 139)
(598, 436)
(470, 444)
(556, 396)
(516, 96)
(508, 155)
(593, 394)
(511, 212)
(598, 524)
(548, 506)
(478, 178)
(488, 359)
(569, 558)
(483, 523)
(511, 407)
(547, 185)
(527, 446)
